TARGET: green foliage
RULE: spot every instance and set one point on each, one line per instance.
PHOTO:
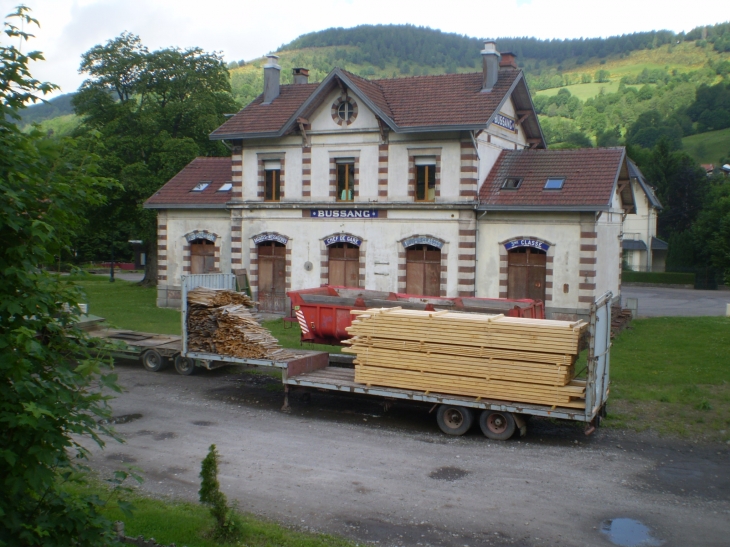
(228, 525)
(154, 110)
(50, 385)
(663, 278)
(711, 232)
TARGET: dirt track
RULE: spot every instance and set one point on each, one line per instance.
(343, 466)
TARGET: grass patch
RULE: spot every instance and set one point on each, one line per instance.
(127, 305)
(188, 524)
(708, 147)
(672, 374)
(289, 336)
(668, 278)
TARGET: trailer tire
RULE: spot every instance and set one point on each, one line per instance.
(497, 425)
(152, 360)
(184, 365)
(454, 420)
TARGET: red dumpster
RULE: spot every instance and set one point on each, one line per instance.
(323, 312)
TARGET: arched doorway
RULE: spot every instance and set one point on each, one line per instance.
(526, 273)
(272, 276)
(344, 264)
(423, 270)
(202, 256)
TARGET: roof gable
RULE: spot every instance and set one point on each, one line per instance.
(178, 191)
(591, 176)
(420, 103)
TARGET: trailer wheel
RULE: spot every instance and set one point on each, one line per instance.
(184, 365)
(454, 420)
(152, 360)
(497, 425)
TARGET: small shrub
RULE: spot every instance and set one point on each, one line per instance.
(668, 278)
(703, 405)
(228, 525)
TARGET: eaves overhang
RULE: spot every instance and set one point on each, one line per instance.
(184, 206)
(545, 208)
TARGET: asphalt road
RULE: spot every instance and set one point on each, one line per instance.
(345, 466)
(664, 301)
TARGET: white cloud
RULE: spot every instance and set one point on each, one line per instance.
(245, 29)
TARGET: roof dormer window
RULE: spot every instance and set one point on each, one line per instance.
(554, 183)
(202, 185)
(226, 187)
(511, 183)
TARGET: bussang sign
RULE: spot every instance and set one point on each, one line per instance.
(344, 213)
(504, 121)
(534, 243)
(342, 238)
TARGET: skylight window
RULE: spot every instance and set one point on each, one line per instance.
(554, 183)
(226, 187)
(511, 183)
(202, 185)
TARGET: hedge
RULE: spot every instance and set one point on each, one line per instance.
(665, 278)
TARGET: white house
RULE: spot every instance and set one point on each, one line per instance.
(434, 185)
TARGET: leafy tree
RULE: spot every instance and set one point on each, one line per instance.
(49, 397)
(154, 110)
(681, 186)
(712, 230)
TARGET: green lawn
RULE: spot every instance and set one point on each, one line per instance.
(672, 374)
(708, 147)
(187, 523)
(583, 91)
(127, 305)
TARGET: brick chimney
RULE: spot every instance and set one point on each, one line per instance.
(509, 60)
(490, 66)
(272, 78)
(301, 75)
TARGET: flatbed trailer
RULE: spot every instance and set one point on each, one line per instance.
(455, 414)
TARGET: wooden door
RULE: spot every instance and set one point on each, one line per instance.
(423, 270)
(202, 256)
(344, 265)
(526, 274)
(272, 276)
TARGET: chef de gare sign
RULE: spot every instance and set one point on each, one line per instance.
(534, 243)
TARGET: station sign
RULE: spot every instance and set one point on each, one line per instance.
(534, 243)
(423, 240)
(343, 213)
(192, 236)
(261, 238)
(342, 238)
(504, 121)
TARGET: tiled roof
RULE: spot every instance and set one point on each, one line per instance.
(178, 190)
(590, 174)
(448, 99)
(268, 118)
(419, 101)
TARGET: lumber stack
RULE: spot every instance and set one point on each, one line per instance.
(220, 322)
(474, 355)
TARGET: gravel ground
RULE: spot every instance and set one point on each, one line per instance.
(343, 465)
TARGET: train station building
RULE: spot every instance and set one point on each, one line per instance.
(430, 185)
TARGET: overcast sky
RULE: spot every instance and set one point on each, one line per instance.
(246, 29)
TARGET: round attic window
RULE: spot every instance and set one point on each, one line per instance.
(344, 111)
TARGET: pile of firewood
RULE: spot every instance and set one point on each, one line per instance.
(220, 322)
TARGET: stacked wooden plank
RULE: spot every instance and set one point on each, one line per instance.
(220, 322)
(474, 355)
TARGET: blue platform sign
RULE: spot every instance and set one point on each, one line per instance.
(342, 238)
(344, 213)
(534, 243)
(504, 121)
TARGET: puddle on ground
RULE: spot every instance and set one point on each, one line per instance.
(629, 533)
(164, 436)
(123, 419)
(448, 474)
(203, 423)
